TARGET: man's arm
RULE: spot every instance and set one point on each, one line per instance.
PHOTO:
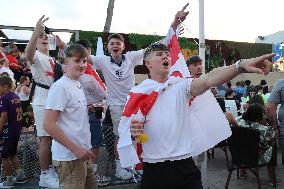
(50, 125)
(220, 75)
(31, 46)
(3, 119)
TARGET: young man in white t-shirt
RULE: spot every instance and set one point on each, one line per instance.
(42, 66)
(118, 72)
(167, 153)
(66, 120)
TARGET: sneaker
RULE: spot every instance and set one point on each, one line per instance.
(123, 174)
(278, 181)
(21, 178)
(53, 172)
(47, 180)
(140, 172)
(9, 183)
(103, 180)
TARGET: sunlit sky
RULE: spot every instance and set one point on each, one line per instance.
(235, 20)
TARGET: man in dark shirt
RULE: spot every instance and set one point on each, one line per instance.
(10, 128)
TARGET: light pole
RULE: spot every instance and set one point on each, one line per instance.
(202, 158)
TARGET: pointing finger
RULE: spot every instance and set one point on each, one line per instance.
(184, 7)
(264, 57)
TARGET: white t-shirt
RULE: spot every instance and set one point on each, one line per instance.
(168, 120)
(42, 71)
(231, 107)
(7, 70)
(119, 80)
(67, 96)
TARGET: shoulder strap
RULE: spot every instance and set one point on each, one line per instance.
(33, 89)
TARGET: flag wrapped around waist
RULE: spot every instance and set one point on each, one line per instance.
(206, 133)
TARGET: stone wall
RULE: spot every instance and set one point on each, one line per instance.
(271, 78)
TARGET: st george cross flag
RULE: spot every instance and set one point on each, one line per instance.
(206, 133)
(93, 86)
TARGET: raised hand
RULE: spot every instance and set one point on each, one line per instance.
(59, 42)
(260, 64)
(39, 28)
(180, 17)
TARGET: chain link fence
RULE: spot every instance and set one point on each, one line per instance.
(28, 154)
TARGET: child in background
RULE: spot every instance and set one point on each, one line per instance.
(28, 120)
(10, 127)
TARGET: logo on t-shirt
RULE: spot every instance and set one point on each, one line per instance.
(119, 74)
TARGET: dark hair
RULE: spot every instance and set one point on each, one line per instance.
(5, 74)
(155, 47)
(193, 59)
(76, 50)
(256, 99)
(116, 36)
(254, 113)
(229, 84)
(85, 43)
(228, 93)
(23, 79)
(5, 80)
(248, 82)
(258, 87)
(263, 82)
(2, 60)
(252, 89)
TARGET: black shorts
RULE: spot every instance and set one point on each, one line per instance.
(9, 147)
(179, 174)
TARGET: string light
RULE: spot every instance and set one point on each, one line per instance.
(184, 26)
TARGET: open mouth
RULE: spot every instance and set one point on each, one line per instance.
(166, 64)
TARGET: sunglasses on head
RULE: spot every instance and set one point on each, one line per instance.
(43, 36)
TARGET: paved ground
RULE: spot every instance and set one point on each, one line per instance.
(216, 177)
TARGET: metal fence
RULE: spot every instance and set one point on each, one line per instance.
(28, 155)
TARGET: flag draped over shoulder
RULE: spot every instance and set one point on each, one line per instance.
(205, 134)
(90, 71)
(94, 88)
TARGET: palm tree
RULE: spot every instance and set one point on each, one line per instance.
(109, 16)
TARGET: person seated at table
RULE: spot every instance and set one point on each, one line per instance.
(254, 118)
